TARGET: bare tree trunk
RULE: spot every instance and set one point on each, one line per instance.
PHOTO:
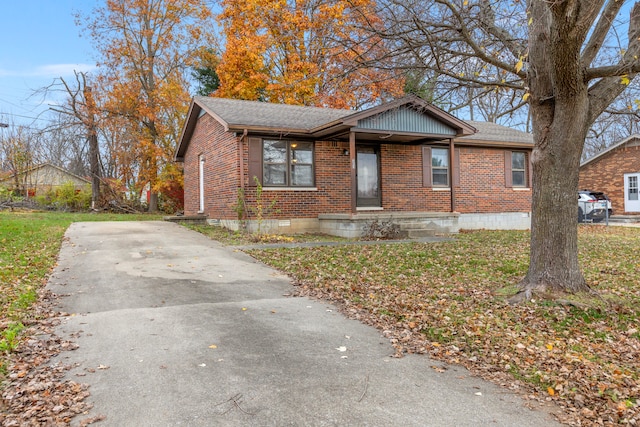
(95, 167)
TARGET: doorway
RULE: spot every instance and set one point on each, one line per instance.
(631, 199)
(368, 177)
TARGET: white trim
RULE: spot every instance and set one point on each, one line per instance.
(369, 208)
(201, 183)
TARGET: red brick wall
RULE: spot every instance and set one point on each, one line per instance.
(482, 181)
(606, 174)
(220, 150)
(482, 184)
(401, 184)
(332, 182)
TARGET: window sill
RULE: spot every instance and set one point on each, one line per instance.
(521, 189)
(441, 188)
(290, 188)
(369, 208)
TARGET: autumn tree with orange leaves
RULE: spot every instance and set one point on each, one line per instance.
(305, 52)
(145, 48)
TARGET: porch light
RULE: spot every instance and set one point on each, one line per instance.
(345, 152)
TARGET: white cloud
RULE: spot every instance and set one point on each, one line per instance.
(60, 70)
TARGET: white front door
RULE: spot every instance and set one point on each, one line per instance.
(631, 199)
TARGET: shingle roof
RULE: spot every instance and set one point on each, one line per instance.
(494, 132)
(268, 118)
(238, 113)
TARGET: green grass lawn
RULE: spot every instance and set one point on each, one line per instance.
(29, 246)
(447, 299)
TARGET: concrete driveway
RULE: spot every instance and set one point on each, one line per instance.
(175, 330)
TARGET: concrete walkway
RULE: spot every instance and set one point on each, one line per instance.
(175, 330)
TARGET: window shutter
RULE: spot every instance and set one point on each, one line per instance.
(426, 167)
(255, 160)
(530, 170)
(507, 169)
(456, 168)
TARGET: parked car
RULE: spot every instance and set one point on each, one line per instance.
(590, 209)
(600, 196)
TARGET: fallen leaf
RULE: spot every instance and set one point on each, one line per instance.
(213, 346)
(341, 348)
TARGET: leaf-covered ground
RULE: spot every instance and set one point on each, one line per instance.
(33, 391)
(448, 299)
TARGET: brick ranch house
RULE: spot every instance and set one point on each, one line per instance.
(616, 172)
(332, 171)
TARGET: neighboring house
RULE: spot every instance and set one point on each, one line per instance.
(333, 171)
(42, 178)
(615, 172)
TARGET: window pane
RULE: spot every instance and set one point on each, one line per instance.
(440, 177)
(633, 188)
(274, 175)
(302, 175)
(301, 152)
(518, 178)
(367, 173)
(275, 152)
(517, 161)
(440, 157)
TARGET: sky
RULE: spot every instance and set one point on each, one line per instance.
(40, 42)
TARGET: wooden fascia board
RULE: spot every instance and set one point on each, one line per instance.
(271, 131)
(187, 131)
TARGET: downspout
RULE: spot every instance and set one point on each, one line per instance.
(452, 162)
(241, 151)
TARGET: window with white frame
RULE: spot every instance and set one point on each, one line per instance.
(440, 167)
(518, 169)
(287, 164)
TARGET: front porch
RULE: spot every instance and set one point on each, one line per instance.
(412, 225)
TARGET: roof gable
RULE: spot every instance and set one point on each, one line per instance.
(405, 119)
(631, 140)
(50, 170)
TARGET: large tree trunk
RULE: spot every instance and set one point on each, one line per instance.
(560, 112)
(554, 263)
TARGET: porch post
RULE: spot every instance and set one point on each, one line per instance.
(352, 160)
(454, 172)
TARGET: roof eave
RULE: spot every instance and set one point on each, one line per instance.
(492, 143)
